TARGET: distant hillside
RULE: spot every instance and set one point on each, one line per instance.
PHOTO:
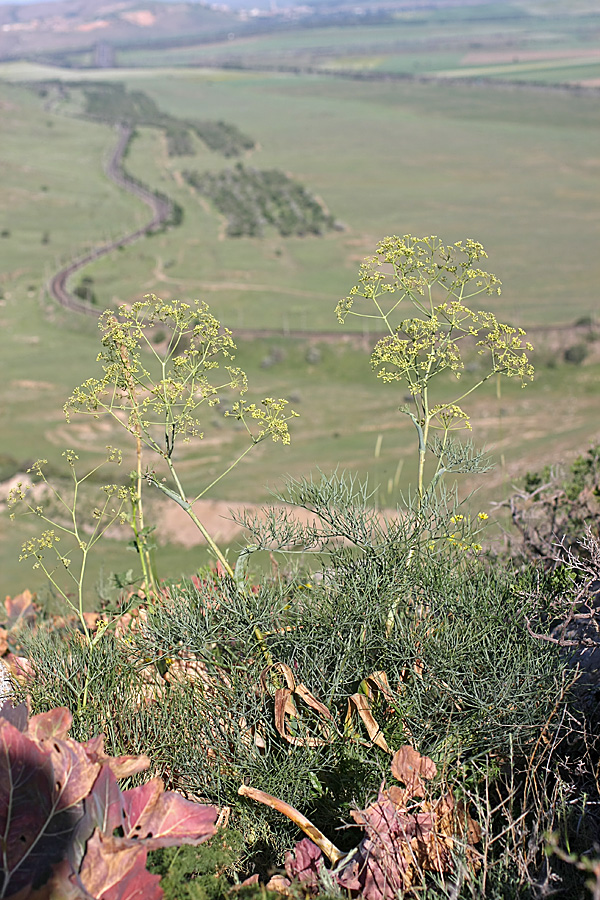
(67, 25)
(46, 31)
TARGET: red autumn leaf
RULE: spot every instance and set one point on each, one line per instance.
(120, 766)
(60, 805)
(103, 810)
(165, 819)
(19, 667)
(16, 715)
(378, 867)
(112, 870)
(52, 724)
(74, 772)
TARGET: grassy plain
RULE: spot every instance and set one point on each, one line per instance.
(515, 169)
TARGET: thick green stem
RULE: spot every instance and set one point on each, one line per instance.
(137, 505)
(187, 506)
(422, 458)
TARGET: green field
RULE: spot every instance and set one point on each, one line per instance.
(515, 169)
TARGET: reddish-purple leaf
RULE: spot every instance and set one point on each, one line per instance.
(35, 828)
(112, 870)
(74, 774)
(19, 668)
(52, 724)
(305, 863)
(165, 819)
(378, 866)
(106, 801)
(94, 747)
(103, 810)
(121, 766)
(60, 805)
(19, 609)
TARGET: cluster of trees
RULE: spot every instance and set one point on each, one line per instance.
(252, 199)
(223, 137)
(84, 290)
(114, 103)
(179, 141)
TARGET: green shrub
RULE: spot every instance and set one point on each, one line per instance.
(576, 354)
(555, 509)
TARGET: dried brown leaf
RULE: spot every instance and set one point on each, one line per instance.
(361, 704)
(411, 768)
(284, 700)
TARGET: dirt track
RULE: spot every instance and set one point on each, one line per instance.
(161, 208)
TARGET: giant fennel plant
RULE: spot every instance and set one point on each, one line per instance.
(163, 364)
(158, 398)
(436, 281)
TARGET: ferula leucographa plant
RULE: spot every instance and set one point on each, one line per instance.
(437, 281)
(164, 363)
(64, 546)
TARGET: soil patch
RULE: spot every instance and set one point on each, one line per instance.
(216, 516)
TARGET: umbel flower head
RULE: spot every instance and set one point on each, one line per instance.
(433, 284)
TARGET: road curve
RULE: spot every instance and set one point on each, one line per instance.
(161, 208)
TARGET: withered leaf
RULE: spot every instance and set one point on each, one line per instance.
(362, 705)
(305, 863)
(284, 700)
(411, 768)
(19, 609)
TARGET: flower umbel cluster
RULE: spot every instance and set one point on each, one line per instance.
(166, 363)
(437, 281)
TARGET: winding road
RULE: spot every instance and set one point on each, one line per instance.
(162, 210)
